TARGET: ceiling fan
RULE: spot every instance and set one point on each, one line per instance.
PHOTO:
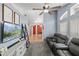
(47, 8)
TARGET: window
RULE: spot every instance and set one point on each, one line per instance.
(63, 27)
(74, 9)
(17, 18)
(64, 23)
(64, 15)
(0, 12)
(74, 28)
(7, 14)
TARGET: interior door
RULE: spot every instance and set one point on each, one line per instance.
(34, 29)
(39, 29)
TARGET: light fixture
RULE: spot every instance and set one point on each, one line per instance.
(46, 6)
(46, 10)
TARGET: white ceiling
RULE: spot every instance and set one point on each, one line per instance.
(29, 6)
(26, 8)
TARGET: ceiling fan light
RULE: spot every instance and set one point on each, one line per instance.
(46, 11)
(46, 6)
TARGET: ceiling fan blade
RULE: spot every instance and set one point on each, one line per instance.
(56, 7)
(50, 12)
(37, 9)
(41, 13)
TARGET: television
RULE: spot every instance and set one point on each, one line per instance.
(11, 31)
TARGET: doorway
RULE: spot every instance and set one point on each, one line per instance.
(34, 29)
(37, 31)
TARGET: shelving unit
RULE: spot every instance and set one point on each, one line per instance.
(16, 50)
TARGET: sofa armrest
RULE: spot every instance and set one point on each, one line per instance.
(60, 46)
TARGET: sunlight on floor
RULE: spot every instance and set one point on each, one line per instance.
(36, 38)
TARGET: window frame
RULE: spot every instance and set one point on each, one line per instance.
(4, 13)
(15, 13)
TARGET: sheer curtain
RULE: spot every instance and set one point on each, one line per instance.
(74, 28)
(63, 27)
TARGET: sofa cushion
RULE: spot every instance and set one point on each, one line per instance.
(59, 40)
(74, 48)
(60, 53)
(67, 53)
(75, 41)
(63, 53)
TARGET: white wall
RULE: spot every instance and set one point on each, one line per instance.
(23, 19)
(49, 24)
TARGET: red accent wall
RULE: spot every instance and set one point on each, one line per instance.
(34, 29)
(39, 29)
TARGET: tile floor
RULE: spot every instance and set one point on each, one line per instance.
(38, 47)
